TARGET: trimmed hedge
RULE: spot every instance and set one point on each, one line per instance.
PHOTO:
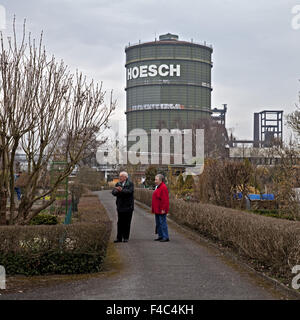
(51, 263)
(273, 243)
(144, 196)
(90, 209)
(56, 249)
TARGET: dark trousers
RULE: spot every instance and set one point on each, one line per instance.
(123, 225)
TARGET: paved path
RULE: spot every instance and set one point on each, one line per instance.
(179, 269)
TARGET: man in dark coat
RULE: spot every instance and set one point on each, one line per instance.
(124, 190)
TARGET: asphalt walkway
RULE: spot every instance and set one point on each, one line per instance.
(179, 269)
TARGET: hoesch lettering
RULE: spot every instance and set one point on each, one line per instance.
(153, 70)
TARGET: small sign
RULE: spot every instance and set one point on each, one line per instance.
(2, 278)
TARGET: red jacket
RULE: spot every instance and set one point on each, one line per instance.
(160, 199)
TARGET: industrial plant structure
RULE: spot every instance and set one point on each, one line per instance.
(168, 83)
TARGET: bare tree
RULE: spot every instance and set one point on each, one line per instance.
(16, 102)
(284, 178)
(222, 180)
(42, 106)
(215, 137)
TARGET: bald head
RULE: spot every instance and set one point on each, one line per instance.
(123, 176)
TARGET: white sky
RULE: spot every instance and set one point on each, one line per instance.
(256, 51)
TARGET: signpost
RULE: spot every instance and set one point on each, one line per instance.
(55, 169)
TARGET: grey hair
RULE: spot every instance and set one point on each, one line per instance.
(124, 173)
(160, 177)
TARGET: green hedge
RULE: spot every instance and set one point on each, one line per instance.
(51, 263)
(62, 249)
(272, 213)
(44, 218)
(58, 249)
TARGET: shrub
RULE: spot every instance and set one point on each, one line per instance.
(144, 196)
(273, 243)
(189, 182)
(43, 218)
(34, 250)
(221, 180)
(90, 209)
(150, 174)
(57, 249)
(275, 213)
(265, 211)
(180, 182)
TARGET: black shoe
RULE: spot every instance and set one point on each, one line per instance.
(125, 240)
(158, 239)
(117, 240)
(164, 240)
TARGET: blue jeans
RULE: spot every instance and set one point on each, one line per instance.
(161, 225)
(18, 191)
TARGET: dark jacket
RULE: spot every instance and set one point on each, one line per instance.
(125, 199)
(160, 199)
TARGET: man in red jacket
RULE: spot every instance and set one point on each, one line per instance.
(160, 207)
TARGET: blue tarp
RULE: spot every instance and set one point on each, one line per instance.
(265, 196)
(268, 196)
(239, 196)
(254, 196)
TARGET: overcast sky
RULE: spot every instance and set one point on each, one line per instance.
(256, 51)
